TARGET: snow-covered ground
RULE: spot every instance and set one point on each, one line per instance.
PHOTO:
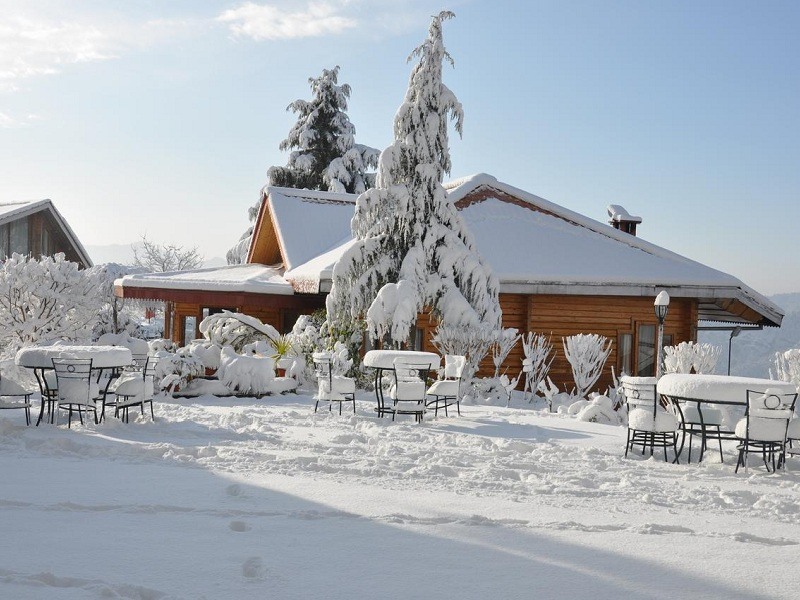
(246, 498)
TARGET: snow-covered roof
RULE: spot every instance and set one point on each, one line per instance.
(252, 278)
(11, 211)
(533, 246)
(308, 223)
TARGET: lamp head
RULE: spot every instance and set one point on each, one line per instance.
(661, 305)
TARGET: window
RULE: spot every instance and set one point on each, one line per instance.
(625, 348)
(416, 338)
(3, 241)
(46, 246)
(18, 237)
(645, 351)
(189, 328)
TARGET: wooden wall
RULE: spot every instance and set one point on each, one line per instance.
(559, 316)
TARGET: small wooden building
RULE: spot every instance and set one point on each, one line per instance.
(38, 229)
(560, 274)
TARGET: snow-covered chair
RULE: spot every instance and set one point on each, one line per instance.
(330, 387)
(447, 391)
(703, 421)
(135, 388)
(764, 428)
(76, 387)
(652, 419)
(408, 392)
(14, 396)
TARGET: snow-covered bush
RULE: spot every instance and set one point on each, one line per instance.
(504, 342)
(787, 366)
(472, 343)
(494, 391)
(176, 369)
(689, 357)
(536, 364)
(599, 409)
(236, 330)
(116, 315)
(587, 354)
(412, 250)
(162, 345)
(45, 299)
(206, 352)
(246, 374)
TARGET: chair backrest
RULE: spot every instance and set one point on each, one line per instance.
(639, 395)
(454, 365)
(149, 374)
(74, 380)
(139, 361)
(410, 379)
(768, 414)
(323, 365)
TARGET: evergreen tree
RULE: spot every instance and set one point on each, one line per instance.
(412, 250)
(324, 153)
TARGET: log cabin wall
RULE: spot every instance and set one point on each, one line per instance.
(559, 316)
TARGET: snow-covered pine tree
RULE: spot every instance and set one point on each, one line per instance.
(324, 153)
(412, 250)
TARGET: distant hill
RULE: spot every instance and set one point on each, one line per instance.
(753, 352)
(123, 255)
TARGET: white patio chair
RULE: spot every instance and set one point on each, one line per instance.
(15, 397)
(332, 388)
(764, 428)
(134, 388)
(76, 387)
(447, 391)
(652, 420)
(408, 392)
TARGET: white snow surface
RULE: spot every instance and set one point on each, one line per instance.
(245, 498)
(253, 277)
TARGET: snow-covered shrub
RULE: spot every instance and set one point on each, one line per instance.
(162, 345)
(236, 330)
(246, 374)
(705, 358)
(470, 342)
(504, 342)
(787, 366)
(411, 248)
(494, 391)
(599, 409)
(587, 354)
(689, 357)
(536, 364)
(45, 299)
(176, 370)
(206, 352)
(116, 315)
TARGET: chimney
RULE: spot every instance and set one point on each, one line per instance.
(620, 219)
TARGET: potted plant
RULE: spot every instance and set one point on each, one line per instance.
(283, 353)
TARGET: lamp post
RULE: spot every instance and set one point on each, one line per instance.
(734, 332)
(661, 306)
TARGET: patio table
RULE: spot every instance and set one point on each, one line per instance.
(40, 359)
(383, 360)
(715, 389)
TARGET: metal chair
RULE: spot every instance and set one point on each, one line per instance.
(705, 422)
(447, 391)
(135, 388)
(332, 388)
(764, 428)
(408, 392)
(652, 419)
(76, 387)
(14, 396)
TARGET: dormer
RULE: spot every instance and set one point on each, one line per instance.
(622, 220)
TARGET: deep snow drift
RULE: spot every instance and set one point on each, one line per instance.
(245, 498)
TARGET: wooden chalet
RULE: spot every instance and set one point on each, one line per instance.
(38, 229)
(560, 274)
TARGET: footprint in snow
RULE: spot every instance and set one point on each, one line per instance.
(239, 526)
(234, 489)
(253, 568)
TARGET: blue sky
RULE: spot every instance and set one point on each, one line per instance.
(161, 118)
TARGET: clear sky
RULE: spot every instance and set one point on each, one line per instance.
(162, 117)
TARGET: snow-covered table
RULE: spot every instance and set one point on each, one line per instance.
(715, 389)
(383, 360)
(40, 359)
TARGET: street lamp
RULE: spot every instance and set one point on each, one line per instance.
(734, 332)
(661, 306)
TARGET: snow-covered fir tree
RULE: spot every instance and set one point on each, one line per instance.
(324, 153)
(412, 250)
